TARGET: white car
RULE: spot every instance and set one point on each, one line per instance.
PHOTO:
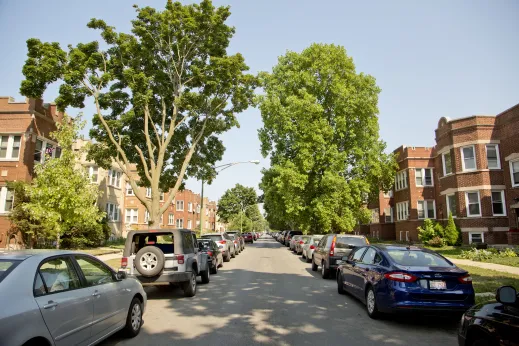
(309, 247)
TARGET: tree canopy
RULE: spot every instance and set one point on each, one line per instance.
(322, 135)
(236, 200)
(163, 93)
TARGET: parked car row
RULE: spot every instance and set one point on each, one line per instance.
(71, 298)
(404, 279)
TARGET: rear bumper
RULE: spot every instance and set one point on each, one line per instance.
(164, 277)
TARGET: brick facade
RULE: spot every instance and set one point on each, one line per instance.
(482, 151)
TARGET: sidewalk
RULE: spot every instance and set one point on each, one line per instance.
(490, 266)
(110, 256)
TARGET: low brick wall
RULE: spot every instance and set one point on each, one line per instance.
(513, 238)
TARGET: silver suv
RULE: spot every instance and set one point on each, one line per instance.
(165, 255)
(225, 243)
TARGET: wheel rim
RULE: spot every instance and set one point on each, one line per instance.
(148, 261)
(193, 281)
(322, 269)
(136, 316)
(371, 301)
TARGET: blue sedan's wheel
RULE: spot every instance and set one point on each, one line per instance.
(371, 303)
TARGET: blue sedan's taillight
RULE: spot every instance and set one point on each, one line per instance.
(400, 277)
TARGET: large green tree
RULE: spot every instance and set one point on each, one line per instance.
(61, 201)
(321, 132)
(235, 201)
(163, 93)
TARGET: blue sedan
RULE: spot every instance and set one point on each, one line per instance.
(399, 278)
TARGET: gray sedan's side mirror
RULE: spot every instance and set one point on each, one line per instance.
(120, 275)
(506, 295)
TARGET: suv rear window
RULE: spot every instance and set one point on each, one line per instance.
(164, 241)
(212, 237)
(346, 242)
(7, 266)
(418, 258)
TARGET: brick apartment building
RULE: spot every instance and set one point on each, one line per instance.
(471, 172)
(25, 129)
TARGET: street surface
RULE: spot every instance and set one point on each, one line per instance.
(267, 295)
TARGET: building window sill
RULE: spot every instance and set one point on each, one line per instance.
(10, 160)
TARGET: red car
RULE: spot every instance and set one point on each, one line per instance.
(248, 237)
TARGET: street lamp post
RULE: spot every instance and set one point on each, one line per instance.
(223, 167)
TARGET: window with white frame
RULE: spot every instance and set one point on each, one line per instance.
(132, 215)
(206, 212)
(93, 174)
(6, 199)
(514, 172)
(114, 178)
(401, 180)
(148, 192)
(424, 177)
(468, 158)
(44, 148)
(180, 223)
(498, 203)
(197, 223)
(207, 224)
(190, 207)
(162, 219)
(180, 205)
(198, 209)
(129, 190)
(162, 196)
(473, 203)
(189, 224)
(112, 212)
(402, 211)
(388, 214)
(146, 216)
(171, 219)
(493, 161)
(451, 204)
(447, 163)
(388, 194)
(476, 237)
(10, 147)
(404, 235)
(426, 209)
(375, 216)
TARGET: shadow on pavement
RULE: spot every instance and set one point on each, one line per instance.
(248, 306)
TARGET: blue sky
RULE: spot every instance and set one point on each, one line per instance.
(442, 58)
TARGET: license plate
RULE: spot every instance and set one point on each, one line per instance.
(437, 285)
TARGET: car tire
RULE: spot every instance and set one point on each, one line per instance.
(325, 273)
(189, 287)
(134, 319)
(308, 260)
(233, 254)
(149, 261)
(340, 285)
(482, 342)
(214, 269)
(227, 257)
(314, 266)
(206, 276)
(371, 304)
(303, 255)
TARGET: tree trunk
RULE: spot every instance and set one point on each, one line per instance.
(154, 213)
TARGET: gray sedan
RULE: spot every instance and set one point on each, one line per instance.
(65, 298)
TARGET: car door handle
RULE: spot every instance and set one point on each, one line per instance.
(50, 305)
(96, 294)
(126, 290)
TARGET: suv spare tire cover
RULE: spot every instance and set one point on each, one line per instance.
(149, 261)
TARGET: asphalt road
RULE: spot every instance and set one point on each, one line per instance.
(267, 295)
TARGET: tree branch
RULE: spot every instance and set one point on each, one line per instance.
(147, 136)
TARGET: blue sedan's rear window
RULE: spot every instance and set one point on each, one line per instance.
(416, 258)
(6, 266)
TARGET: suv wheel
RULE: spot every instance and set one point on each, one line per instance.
(205, 276)
(324, 272)
(314, 266)
(189, 287)
(233, 254)
(214, 269)
(149, 261)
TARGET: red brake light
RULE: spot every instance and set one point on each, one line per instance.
(222, 241)
(465, 279)
(400, 277)
(332, 247)
(180, 259)
(312, 247)
(209, 253)
(301, 242)
(124, 262)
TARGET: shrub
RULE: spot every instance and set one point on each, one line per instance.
(452, 233)
(427, 231)
(477, 255)
(436, 242)
(507, 253)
